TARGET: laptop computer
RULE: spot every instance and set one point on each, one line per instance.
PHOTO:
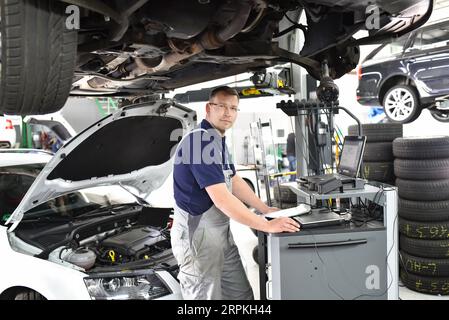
(351, 156)
(347, 170)
(319, 218)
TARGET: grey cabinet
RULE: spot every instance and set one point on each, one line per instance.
(328, 264)
(341, 262)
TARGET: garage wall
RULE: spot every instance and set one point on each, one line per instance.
(251, 110)
(81, 113)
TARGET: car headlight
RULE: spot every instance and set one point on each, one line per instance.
(126, 287)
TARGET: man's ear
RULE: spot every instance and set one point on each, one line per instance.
(207, 108)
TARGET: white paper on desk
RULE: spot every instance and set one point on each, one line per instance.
(290, 212)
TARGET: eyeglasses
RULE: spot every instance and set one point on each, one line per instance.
(222, 107)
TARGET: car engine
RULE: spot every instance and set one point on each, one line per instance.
(132, 245)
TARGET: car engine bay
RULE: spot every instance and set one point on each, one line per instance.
(113, 242)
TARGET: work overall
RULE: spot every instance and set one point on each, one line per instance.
(210, 267)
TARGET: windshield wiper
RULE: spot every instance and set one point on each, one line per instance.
(104, 209)
(47, 219)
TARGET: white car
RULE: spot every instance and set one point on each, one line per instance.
(249, 174)
(82, 229)
(7, 133)
(52, 125)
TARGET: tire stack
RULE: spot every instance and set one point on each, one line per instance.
(284, 197)
(422, 170)
(378, 156)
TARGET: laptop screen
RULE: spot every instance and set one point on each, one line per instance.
(351, 155)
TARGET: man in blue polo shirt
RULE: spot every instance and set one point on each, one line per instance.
(208, 192)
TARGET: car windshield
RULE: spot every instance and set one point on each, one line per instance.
(82, 202)
(14, 184)
(16, 180)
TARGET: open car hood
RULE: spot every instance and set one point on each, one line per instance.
(132, 147)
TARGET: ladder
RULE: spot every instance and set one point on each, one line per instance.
(257, 136)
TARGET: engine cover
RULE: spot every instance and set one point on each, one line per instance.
(132, 242)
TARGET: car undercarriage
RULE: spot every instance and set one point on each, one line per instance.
(141, 47)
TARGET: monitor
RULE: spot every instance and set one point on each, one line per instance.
(351, 155)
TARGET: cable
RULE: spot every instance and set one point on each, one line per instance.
(306, 144)
(324, 266)
(305, 158)
(314, 142)
(386, 259)
(294, 25)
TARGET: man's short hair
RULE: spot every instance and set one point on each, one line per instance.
(225, 90)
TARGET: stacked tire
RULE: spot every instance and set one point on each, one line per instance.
(422, 170)
(284, 197)
(378, 156)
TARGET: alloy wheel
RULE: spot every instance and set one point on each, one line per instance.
(399, 104)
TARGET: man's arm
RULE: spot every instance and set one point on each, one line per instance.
(244, 193)
(236, 210)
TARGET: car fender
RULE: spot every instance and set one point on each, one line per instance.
(396, 74)
(51, 280)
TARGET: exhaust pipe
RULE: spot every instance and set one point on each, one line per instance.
(207, 41)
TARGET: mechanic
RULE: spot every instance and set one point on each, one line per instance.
(208, 192)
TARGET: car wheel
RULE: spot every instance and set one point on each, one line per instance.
(401, 104)
(249, 183)
(29, 295)
(256, 254)
(38, 54)
(440, 115)
(428, 285)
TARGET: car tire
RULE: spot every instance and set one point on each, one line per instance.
(424, 266)
(421, 148)
(440, 115)
(424, 230)
(378, 132)
(425, 211)
(249, 183)
(378, 151)
(38, 55)
(401, 104)
(285, 194)
(429, 285)
(428, 169)
(378, 171)
(425, 248)
(256, 254)
(29, 295)
(435, 190)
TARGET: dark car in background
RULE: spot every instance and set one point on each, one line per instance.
(409, 74)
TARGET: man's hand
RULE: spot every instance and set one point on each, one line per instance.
(283, 224)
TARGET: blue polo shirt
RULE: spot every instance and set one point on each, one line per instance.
(199, 165)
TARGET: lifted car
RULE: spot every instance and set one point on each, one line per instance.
(409, 75)
(141, 47)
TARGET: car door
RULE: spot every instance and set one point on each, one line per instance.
(427, 60)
